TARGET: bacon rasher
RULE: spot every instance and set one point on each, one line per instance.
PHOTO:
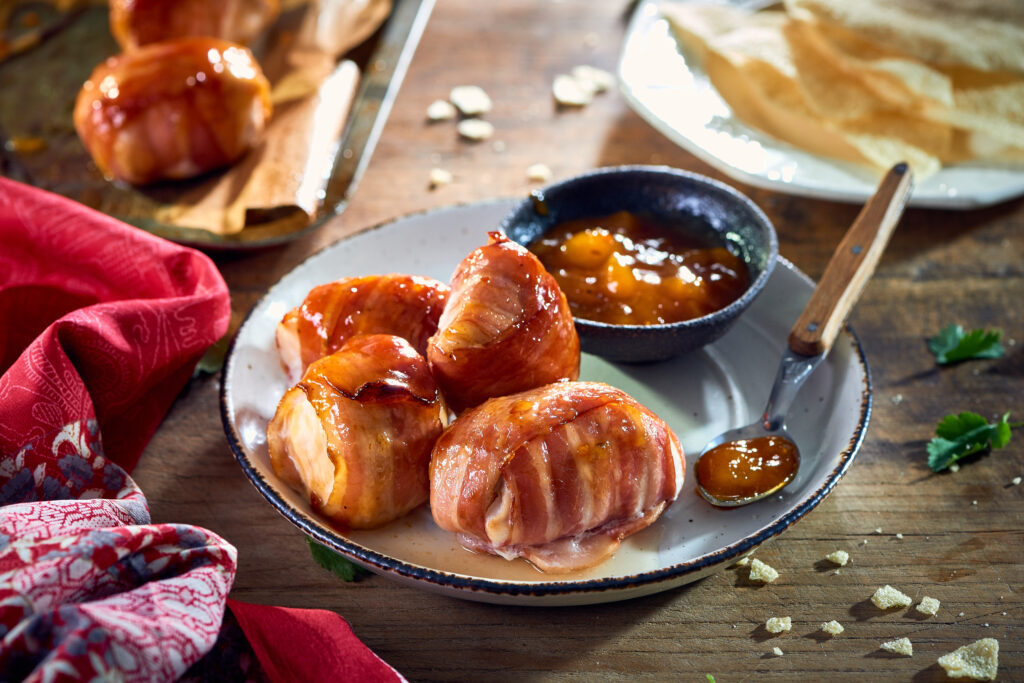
(506, 328)
(558, 475)
(355, 434)
(408, 306)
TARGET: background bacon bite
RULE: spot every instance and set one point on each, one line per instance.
(408, 306)
(356, 433)
(140, 22)
(506, 328)
(558, 475)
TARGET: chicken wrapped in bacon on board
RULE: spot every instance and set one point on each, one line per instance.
(506, 327)
(408, 306)
(355, 435)
(141, 22)
(557, 475)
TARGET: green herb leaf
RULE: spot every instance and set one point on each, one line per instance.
(957, 436)
(952, 345)
(711, 679)
(342, 567)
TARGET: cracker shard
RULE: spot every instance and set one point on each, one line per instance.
(779, 624)
(900, 646)
(840, 557)
(833, 628)
(759, 571)
(979, 660)
(929, 606)
(888, 597)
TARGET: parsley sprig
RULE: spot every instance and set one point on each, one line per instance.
(952, 344)
(343, 568)
(958, 436)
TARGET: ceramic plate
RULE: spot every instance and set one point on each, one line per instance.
(699, 395)
(670, 91)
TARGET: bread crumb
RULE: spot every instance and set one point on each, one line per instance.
(899, 536)
(470, 99)
(743, 562)
(888, 597)
(759, 571)
(538, 173)
(439, 177)
(865, 541)
(878, 530)
(979, 660)
(897, 399)
(1015, 481)
(929, 606)
(475, 129)
(835, 573)
(440, 110)
(592, 78)
(974, 502)
(833, 628)
(840, 557)
(954, 467)
(777, 651)
(778, 624)
(900, 646)
(961, 614)
(570, 92)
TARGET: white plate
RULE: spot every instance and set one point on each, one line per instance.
(675, 96)
(700, 395)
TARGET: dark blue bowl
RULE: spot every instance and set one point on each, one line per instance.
(704, 208)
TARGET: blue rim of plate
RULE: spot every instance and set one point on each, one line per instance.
(340, 544)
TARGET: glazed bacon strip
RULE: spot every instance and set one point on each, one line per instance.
(356, 433)
(506, 327)
(558, 475)
(408, 306)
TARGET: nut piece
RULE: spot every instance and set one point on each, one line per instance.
(569, 92)
(440, 110)
(475, 129)
(538, 173)
(928, 606)
(833, 628)
(759, 571)
(593, 79)
(778, 624)
(439, 177)
(840, 557)
(470, 99)
(888, 597)
(979, 660)
(901, 646)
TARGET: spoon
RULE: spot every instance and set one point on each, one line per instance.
(746, 464)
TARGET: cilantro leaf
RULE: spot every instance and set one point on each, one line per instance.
(952, 344)
(957, 436)
(343, 568)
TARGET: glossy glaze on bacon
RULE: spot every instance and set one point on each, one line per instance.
(558, 475)
(140, 22)
(408, 306)
(172, 110)
(506, 327)
(355, 435)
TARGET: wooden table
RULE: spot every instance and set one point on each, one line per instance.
(961, 533)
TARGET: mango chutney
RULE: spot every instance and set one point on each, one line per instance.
(627, 270)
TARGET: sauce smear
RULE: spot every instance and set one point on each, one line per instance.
(627, 270)
(736, 471)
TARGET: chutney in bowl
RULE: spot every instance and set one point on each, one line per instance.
(654, 261)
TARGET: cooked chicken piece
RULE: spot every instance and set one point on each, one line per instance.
(558, 475)
(506, 327)
(408, 306)
(172, 110)
(355, 434)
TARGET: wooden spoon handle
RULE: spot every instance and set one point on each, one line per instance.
(851, 265)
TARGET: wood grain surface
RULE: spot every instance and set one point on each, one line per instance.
(961, 533)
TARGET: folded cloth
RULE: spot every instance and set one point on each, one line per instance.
(101, 325)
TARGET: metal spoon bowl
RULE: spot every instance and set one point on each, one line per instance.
(815, 331)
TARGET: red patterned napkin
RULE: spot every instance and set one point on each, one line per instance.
(101, 325)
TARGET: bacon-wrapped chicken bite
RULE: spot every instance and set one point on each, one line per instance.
(408, 306)
(172, 110)
(355, 434)
(140, 22)
(506, 327)
(558, 475)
